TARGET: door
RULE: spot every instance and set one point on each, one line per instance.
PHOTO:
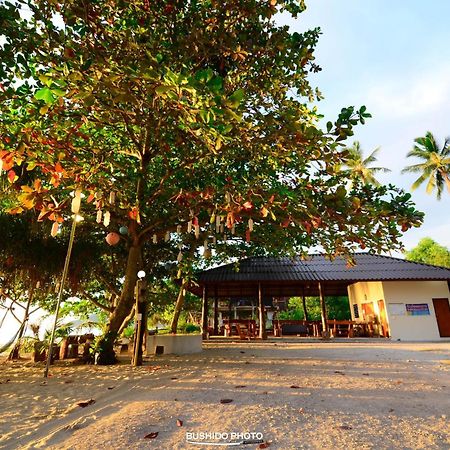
(383, 318)
(442, 311)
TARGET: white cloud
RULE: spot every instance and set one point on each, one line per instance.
(412, 94)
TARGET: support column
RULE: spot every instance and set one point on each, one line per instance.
(262, 315)
(205, 314)
(323, 310)
(216, 313)
(305, 311)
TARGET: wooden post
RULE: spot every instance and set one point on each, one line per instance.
(323, 309)
(305, 311)
(205, 314)
(216, 313)
(262, 315)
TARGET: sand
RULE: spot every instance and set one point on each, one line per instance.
(299, 395)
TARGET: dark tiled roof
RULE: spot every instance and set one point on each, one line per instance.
(318, 268)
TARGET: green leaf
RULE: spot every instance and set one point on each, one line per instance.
(45, 94)
(236, 98)
(162, 89)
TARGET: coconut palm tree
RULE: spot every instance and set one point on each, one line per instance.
(435, 166)
(358, 167)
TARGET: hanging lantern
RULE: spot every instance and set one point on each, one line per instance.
(76, 204)
(197, 231)
(189, 226)
(167, 237)
(99, 216)
(106, 218)
(218, 224)
(112, 197)
(55, 228)
(155, 239)
(112, 238)
(123, 230)
(250, 224)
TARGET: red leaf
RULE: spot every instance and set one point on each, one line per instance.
(152, 435)
(195, 221)
(12, 176)
(90, 198)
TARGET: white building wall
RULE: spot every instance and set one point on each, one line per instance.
(397, 294)
(407, 327)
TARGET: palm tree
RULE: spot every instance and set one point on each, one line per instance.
(435, 166)
(358, 167)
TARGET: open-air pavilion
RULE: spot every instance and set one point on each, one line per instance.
(407, 300)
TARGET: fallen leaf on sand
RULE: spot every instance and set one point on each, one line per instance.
(242, 351)
(366, 374)
(84, 404)
(152, 435)
(345, 427)
(264, 445)
(226, 400)
(68, 381)
(174, 378)
(294, 386)
(179, 423)
(240, 386)
(111, 387)
(339, 372)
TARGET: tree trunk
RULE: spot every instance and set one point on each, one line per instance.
(178, 308)
(105, 347)
(15, 352)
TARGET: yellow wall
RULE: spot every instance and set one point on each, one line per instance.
(365, 292)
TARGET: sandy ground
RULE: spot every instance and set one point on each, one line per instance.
(339, 395)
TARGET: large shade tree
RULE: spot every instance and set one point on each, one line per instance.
(184, 121)
(434, 167)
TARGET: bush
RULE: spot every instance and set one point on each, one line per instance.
(191, 328)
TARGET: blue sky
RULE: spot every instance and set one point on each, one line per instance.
(393, 57)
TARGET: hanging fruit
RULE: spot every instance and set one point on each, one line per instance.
(250, 224)
(112, 238)
(123, 230)
(112, 197)
(189, 226)
(99, 216)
